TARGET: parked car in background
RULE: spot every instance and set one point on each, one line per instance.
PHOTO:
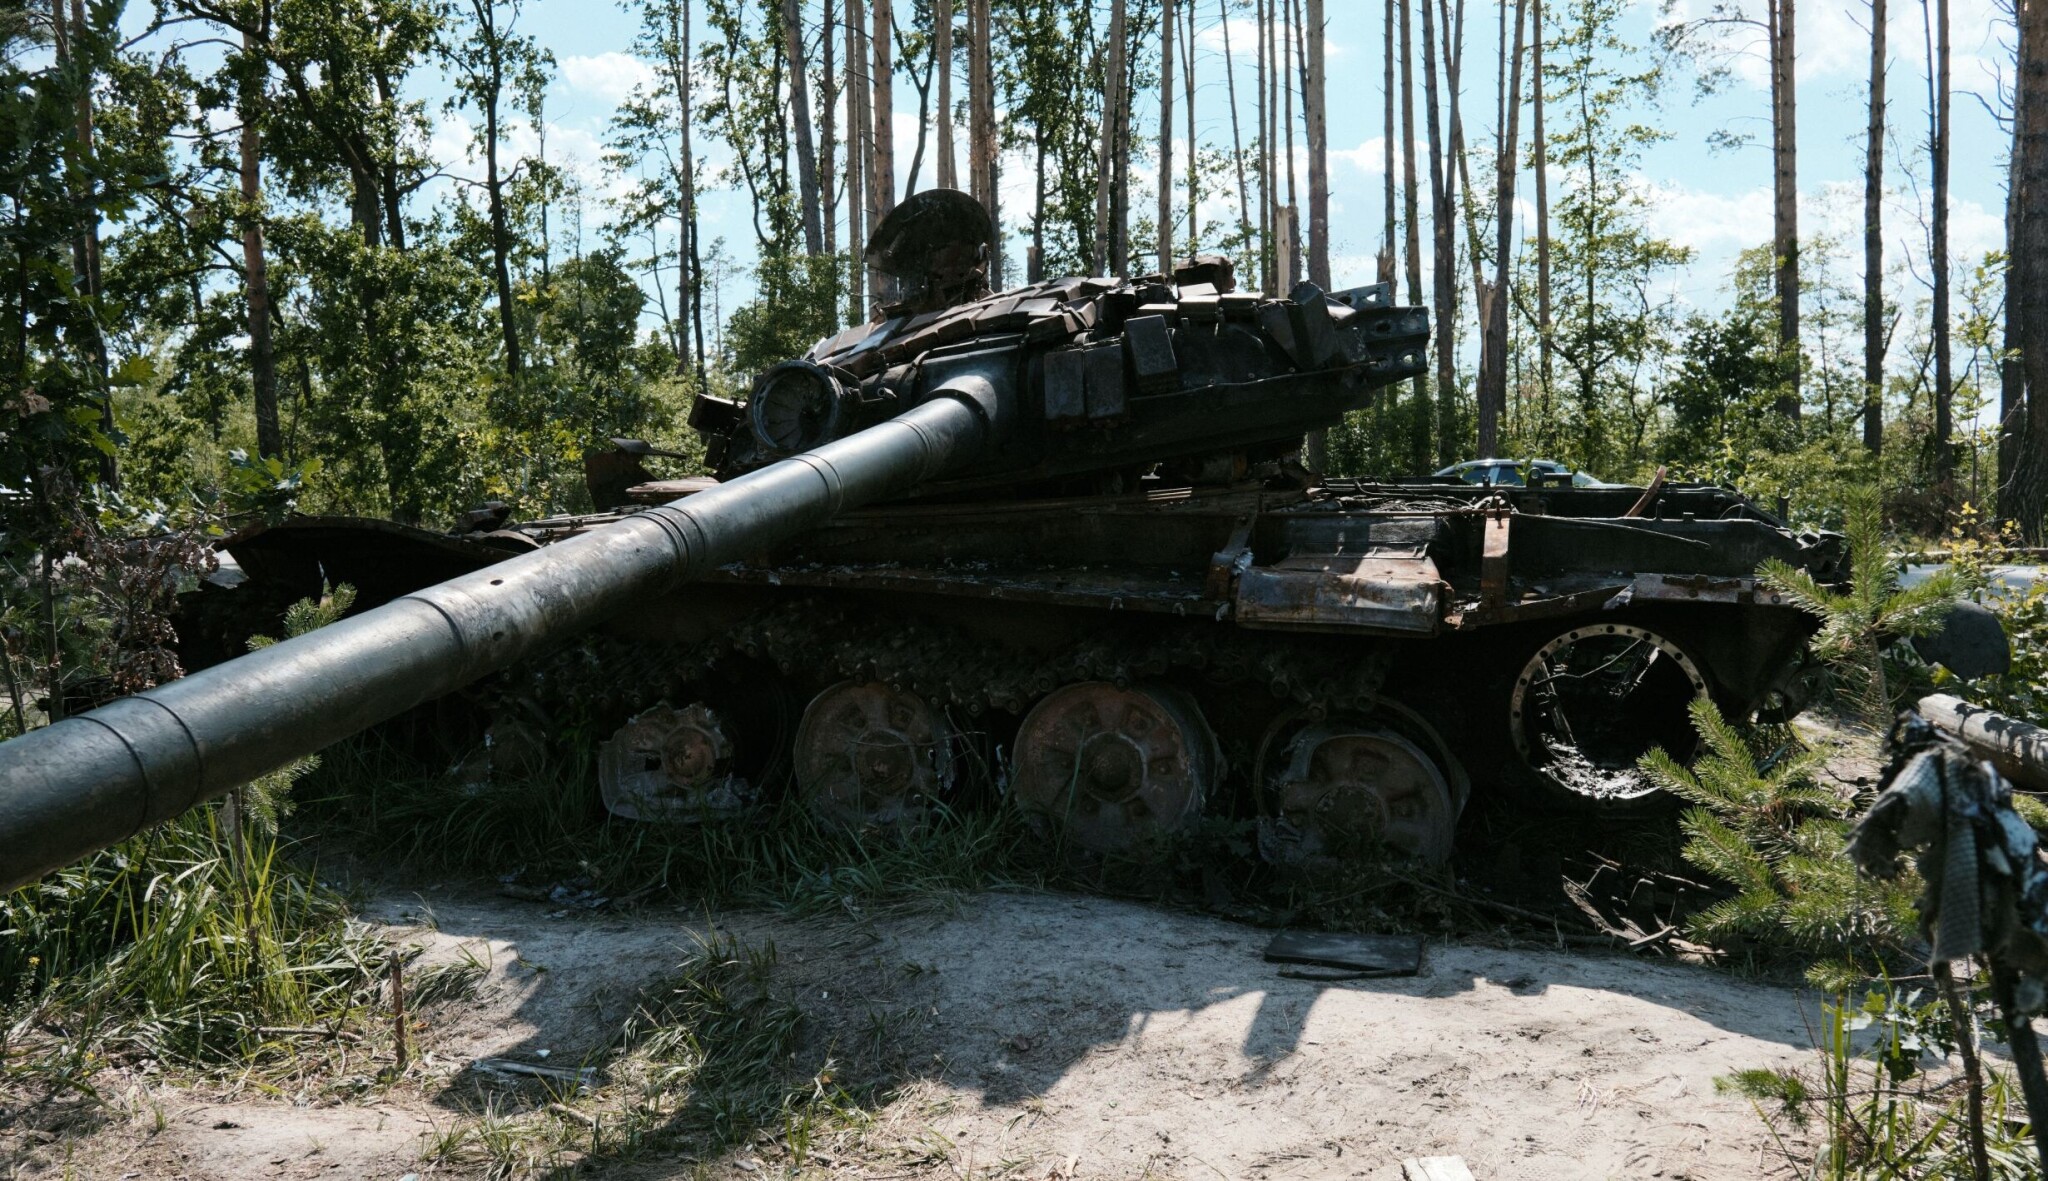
(1513, 473)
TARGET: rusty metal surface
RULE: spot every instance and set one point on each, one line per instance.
(671, 764)
(1115, 770)
(870, 755)
(1349, 791)
(1401, 596)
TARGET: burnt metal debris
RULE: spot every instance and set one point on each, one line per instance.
(1060, 532)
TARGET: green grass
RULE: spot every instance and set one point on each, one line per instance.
(169, 947)
(1875, 1106)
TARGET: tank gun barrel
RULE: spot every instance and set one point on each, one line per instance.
(89, 781)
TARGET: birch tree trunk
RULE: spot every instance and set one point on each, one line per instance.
(1873, 241)
(800, 109)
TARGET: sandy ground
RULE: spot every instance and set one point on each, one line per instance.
(1051, 1036)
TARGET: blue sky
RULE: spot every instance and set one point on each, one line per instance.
(1717, 202)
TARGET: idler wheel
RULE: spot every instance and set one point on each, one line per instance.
(869, 755)
(1339, 790)
(670, 764)
(1115, 770)
(1591, 702)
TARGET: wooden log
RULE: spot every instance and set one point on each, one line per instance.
(2019, 750)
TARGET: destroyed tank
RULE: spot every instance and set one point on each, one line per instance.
(1060, 537)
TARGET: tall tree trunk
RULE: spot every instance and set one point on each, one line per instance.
(1264, 167)
(1782, 28)
(1194, 155)
(1411, 216)
(1318, 152)
(1873, 241)
(694, 303)
(1120, 162)
(1494, 385)
(2026, 300)
(1315, 453)
(1541, 144)
(1938, 263)
(981, 129)
(85, 249)
(1444, 294)
(882, 133)
(942, 50)
(1098, 259)
(1166, 23)
(255, 274)
(494, 191)
(829, 91)
(387, 168)
(800, 107)
(858, 144)
(1244, 196)
(1391, 229)
(1034, 264)
(1291, 222)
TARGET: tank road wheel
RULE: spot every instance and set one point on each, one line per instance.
(1114, 770)
(670, 764)
(1341, 788)
(1593, 700)
(868, 755)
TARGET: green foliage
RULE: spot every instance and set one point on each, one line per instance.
(266, 800)
(191, 942)
(1607, 330)
(265, 486)
(794, 309)
(2022, 691)
(1868, 1109)
(1762, 823)
(172, 945)
(1856, 624)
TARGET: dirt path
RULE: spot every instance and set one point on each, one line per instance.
(1056, 1036)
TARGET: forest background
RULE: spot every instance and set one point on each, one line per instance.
(400, 257)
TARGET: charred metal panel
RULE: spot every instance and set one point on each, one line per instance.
(1401, 595)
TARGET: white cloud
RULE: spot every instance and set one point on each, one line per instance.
(610, 76)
